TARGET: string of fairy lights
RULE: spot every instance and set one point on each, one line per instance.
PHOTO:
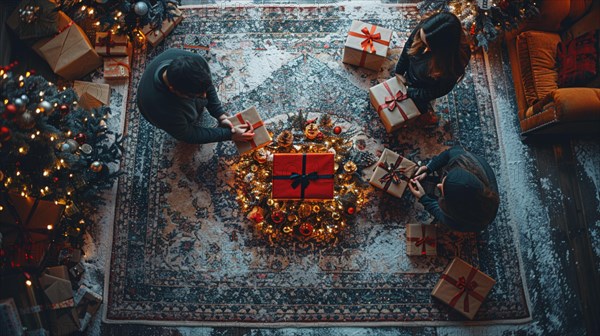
(320, 221)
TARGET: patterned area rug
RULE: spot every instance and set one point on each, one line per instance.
(183, 253)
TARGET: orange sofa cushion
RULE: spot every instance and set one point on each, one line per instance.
(537, 60)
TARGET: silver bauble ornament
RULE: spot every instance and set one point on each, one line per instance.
(26, 120)
(25, 98)
(96, 166)
(86, 149)
(484, 4)
(45, 106)
(20, 104)
(140, 8)
(69, 146)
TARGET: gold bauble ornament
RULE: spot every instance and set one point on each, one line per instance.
(316, 208)
(96, 166)
(311, 131)
(287, 229)
(285, 139)
(261, 155)
(304, 210)
(350, 167)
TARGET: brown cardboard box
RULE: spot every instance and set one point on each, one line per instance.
(88, 304)
(108, 44)
(366, 45)
(117, 67)
(463, 287)
(156, 35)
(392, 172)
(390, 101)
(62, 22)
(420, 240)
(92, 95)
(261, 135)
(70, 53)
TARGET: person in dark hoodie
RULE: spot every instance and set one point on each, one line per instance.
(433, 60)
(469, 190)
(174, 91)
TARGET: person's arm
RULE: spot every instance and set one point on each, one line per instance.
(404, 61)
(432, 206)
(214, 106)
(178, 127)
(443, 158)
(441, 88)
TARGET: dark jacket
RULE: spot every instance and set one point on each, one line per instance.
(175, 115)
(421, 88)
(466, 216)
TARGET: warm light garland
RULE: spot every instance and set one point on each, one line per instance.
(301, 220)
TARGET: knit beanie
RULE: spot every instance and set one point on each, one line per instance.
(462, 194)
(442, 32)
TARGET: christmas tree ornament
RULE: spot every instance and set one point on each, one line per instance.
(316, 208)
(304, 210)
(5, 133)
(287, 229)
(96, 166)
(45, 106)
(64, 109)
(320, 136)
(25, 99)
(306, 229)
(1, 175)
(277, 217)
(311, 131)
(350, 167)
(285, 139)
(337, 130)
(29, 14)
(351, 210)
(101, 1)
(484, 4)
(69, 146)
(20, 104)
(80, 138)
(86, 149)
(26, 120)
(261, 155)
(140, 8)
(325, 121)
(11, 108)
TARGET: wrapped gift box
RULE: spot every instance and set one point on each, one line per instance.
(62, 22)
(303, 176)
(366, 45)
(9, 318)
(92, 95)
(154, 35)
(392, 173)
(117, 67)
(463, 287)
(87, 304)
(33, 19)
(391, 103)
(70, 53)
(420, 239)
(108, 44)
(61, 313)
(261, 135)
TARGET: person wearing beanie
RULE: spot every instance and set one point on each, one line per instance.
(433, 60)
(469, 190)
(174, 91)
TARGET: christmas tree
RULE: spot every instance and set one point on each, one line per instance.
(51, 149)
(485, 20)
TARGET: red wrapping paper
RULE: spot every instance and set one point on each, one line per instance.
(303, 176)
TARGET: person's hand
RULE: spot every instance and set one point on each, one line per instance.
(227, 123)
(242, 133)
(421, 173)
(416, 188)
(401, 78)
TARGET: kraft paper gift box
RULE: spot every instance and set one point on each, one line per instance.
(92, 95)
(154, 35)
(87, 304)
(420, 240)
(463, 287)
(261, 135)
(9, 318)
(62, 22)
(57, 287)
(366, 45)
(303, 176)
(109, 44)
(392, 173)
(70, 53)
(117, 67)
(391, 103)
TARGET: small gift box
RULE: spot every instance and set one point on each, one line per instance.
(392, 173)
(303, 176)
(154, 35)
(92, 95)
(33, 19)
(366, 45)
(108, 44)
(392, 104)
(57, 287)
(9, 318)
(117, 67)
(261, 135)
(87, 304)
(463, 287)
(420, 239)
(70, 53)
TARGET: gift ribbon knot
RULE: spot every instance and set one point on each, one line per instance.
(423, 241)
(393, 101)
(256, 125)
(369, 39)
(394, 173)
(303, 179)
(467, 287)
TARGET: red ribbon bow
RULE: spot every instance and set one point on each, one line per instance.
(370, 38)
(467, 286)
(393, 173)
(393, 101)
(423, 241)
(108, 42)
(256, 125)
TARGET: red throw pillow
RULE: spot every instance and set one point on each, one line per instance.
(577, 60)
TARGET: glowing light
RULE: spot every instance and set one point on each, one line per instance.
(50, 227)
(28, 282)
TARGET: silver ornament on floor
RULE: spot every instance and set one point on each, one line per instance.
(140, 8)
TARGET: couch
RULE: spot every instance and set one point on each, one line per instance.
(544, 107)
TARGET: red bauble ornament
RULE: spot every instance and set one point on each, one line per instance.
(80, 138)
(55, 179)
(503, 4)
(64, 109)
(351, 210)
(337, 130)
(320, 136)
(5, 133)
(11, 108)
(306, 229)
(277, 217)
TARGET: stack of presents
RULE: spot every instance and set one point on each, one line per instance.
(72, 53)
(36, 299)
